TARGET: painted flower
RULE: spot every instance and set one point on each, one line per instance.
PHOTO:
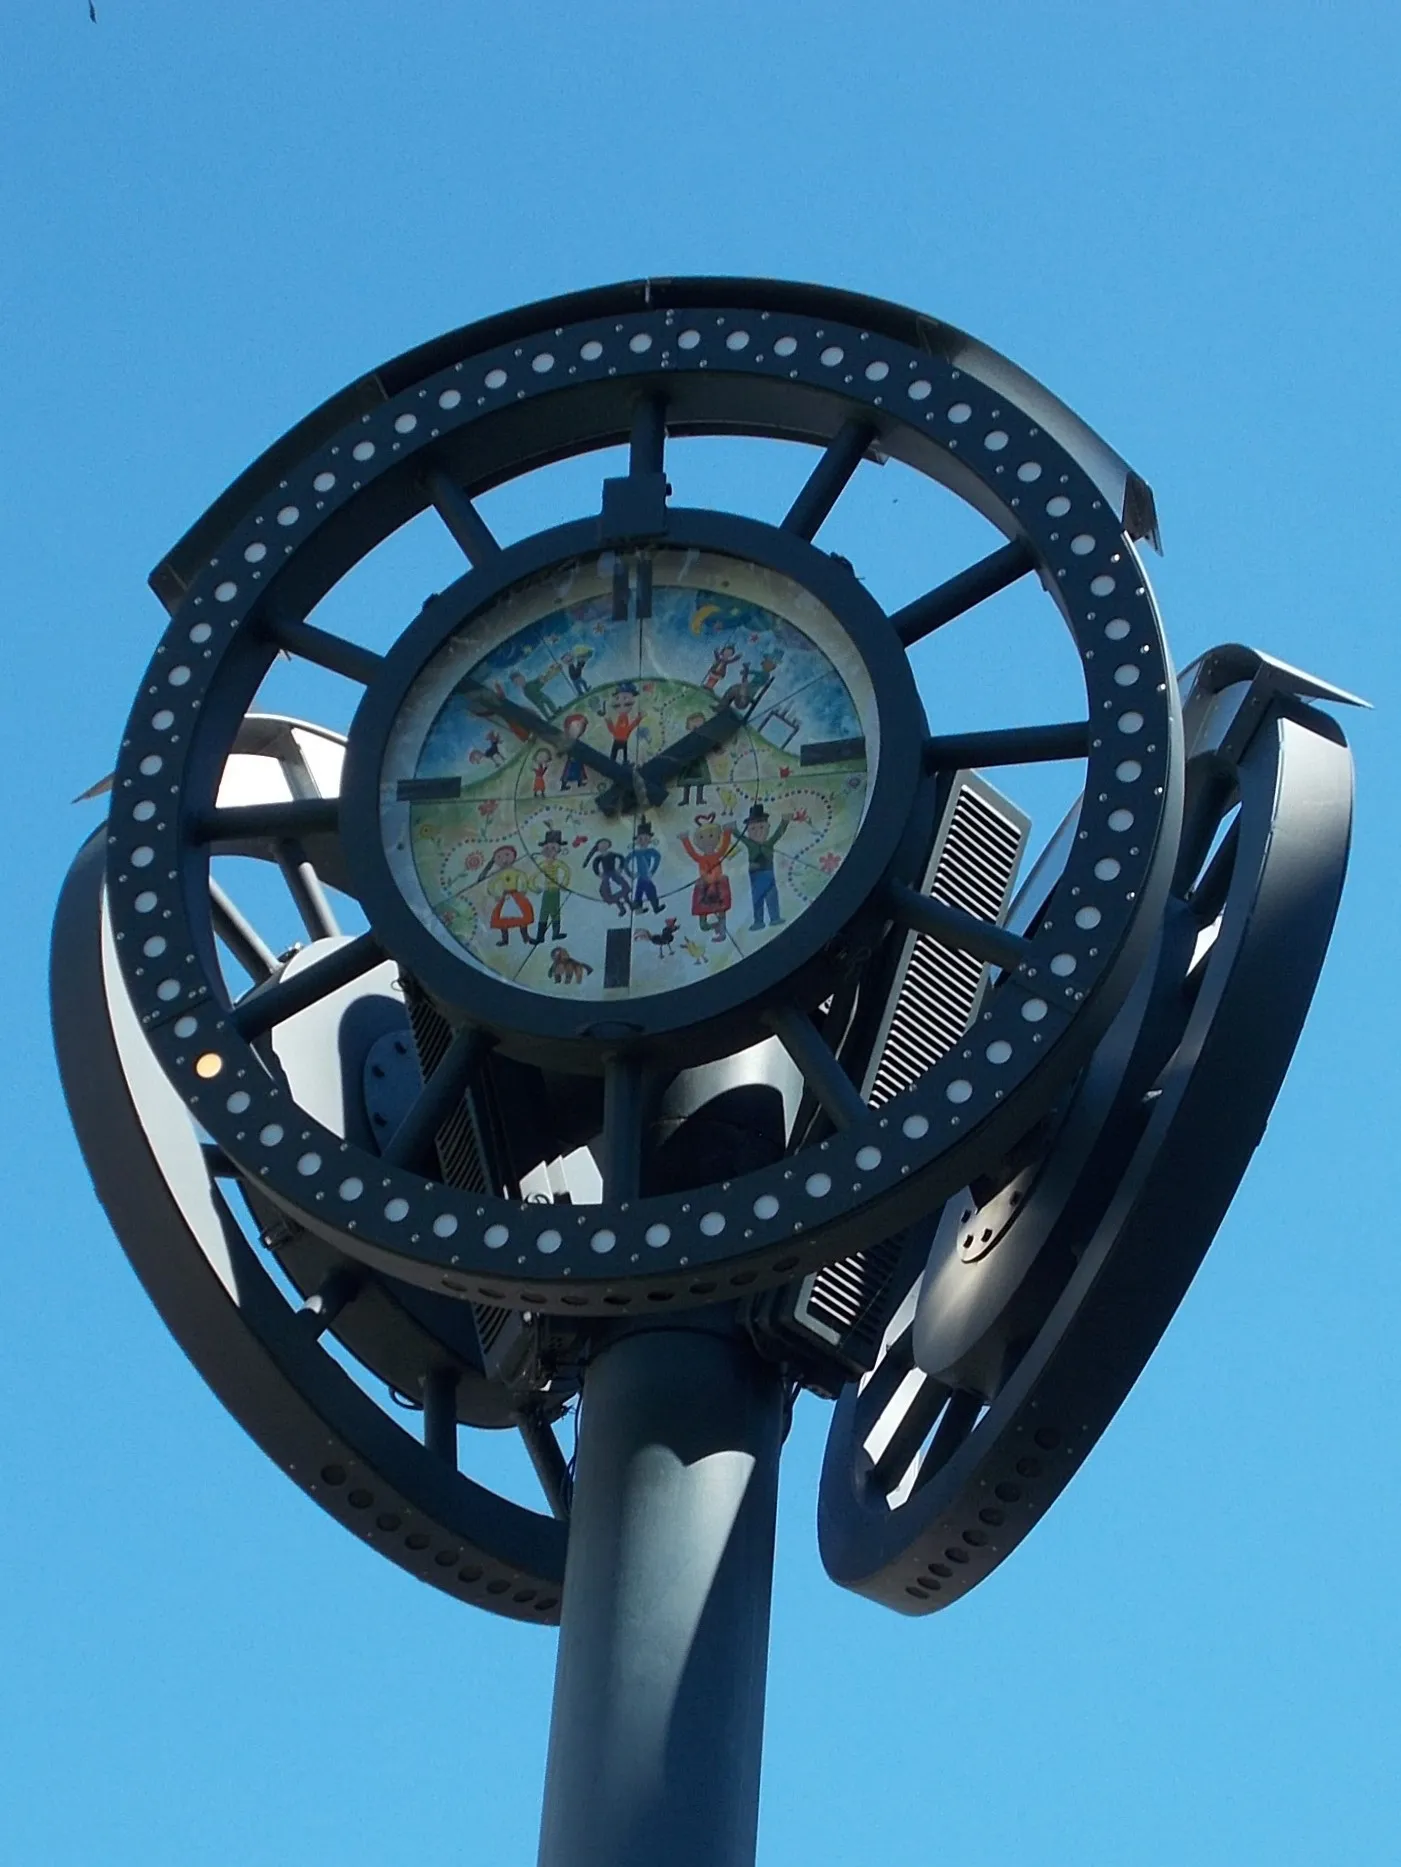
(830, 862)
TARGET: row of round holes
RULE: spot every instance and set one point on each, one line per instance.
(1033, 1010)
(641, 342)
(938, 1572)
(419, 1541)
(995, 440)
(445, 1225)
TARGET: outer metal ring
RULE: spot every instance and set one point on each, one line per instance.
(480, 404)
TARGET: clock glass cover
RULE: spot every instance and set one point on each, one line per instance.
(494, 826)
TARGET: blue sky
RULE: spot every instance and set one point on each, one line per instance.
(1182, 219)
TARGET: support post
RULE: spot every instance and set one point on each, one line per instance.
(657, 1728)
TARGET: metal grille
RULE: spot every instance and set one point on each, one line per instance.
(842, 1301)
(503, 1338)
(458, 1153)
(937, 990)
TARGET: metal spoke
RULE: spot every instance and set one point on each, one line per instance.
(829, 478)
(456, 510)
(885, 1380)
(408, 1146)
(321, 1309)
(240, 936)
(953, 927)
(621, 1148)
(440, 1413)
(969, 588)
(836, 1094)
(647, 445)
(1209, 896)
(329, 651)
(217, 1163)
(276, 822)
(960, 1417)
(272, 1004)
(551, 1467)
(1014, 745)
(904, 1443)
(304, 886)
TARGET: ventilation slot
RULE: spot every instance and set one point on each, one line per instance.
(459, 1156)
(504, 1338)
(937, 990)
(843, 1302)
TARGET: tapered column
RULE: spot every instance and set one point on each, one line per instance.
(657, 1728)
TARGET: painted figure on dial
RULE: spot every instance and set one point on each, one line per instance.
(725, 656)
(642, 864)
(696, 775)
(555, 871)
(759, 837)
(575, 663)
(511, 910)
(532, 691)
(707, 846)
(574, 773)
(608, 864)
(622, 720)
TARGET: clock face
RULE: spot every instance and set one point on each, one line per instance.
(517, 838)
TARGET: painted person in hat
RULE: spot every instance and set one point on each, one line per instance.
(642, 863)
(758, 838)
(554, 871)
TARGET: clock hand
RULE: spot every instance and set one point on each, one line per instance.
(649, 781)
(484, 700)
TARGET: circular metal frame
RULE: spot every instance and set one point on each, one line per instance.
(728, 357)
(261, 1356)
(1051, 1308)
(567, 1033)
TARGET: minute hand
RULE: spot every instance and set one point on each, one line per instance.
(483, 700)
(652, 778)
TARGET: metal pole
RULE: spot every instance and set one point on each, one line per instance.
(658, 1718)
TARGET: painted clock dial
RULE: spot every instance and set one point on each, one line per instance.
(523, 839)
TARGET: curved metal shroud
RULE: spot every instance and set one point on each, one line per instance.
(1115, 1254)
(258, 1355)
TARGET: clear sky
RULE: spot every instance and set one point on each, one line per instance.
(1184, 219)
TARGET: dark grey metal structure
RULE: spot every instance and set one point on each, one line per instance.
(942, 1149)
(1047, 1288)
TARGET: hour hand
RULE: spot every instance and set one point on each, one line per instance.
(682, 752)
(648, 782)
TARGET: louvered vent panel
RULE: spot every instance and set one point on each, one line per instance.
(973, 867)
(458, 1154)
(845, 1298)
(502, 1337)
(490, 1323)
